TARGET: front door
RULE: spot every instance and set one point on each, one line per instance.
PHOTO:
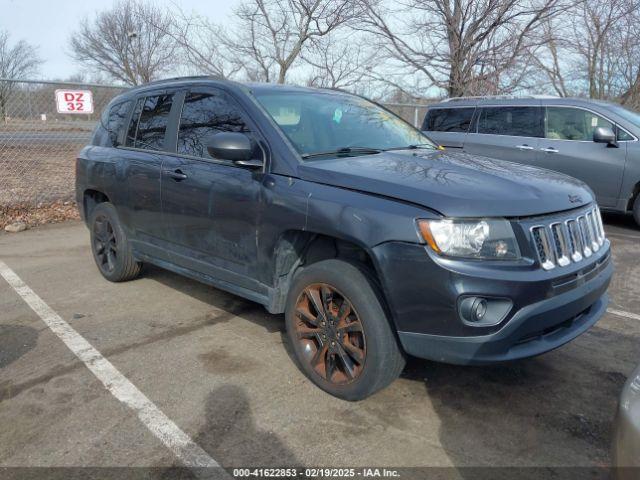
(568, 147)
(509, 133)
(211, 206)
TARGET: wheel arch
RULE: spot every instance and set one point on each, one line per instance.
(634, 195)
(90, 198)
(296, 249)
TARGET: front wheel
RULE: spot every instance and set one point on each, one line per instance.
(636, 210)
(341, 336)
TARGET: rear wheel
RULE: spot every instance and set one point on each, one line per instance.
(636, 210)
(110, 247)
(341, 335)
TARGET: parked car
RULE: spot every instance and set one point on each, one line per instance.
(626, 438)
(332, 210)
(596, 142)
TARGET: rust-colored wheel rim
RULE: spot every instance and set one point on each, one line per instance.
(330, 334)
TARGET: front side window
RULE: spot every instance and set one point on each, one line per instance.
(624, 136)
(448, 120)
(149, 122)
(573, 124)
(317, 122)
(513, 121)
(204, 115)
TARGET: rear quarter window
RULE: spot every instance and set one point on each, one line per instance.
(112, 121)
(448, 120)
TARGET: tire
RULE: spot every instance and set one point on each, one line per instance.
(636, 210)
(110, 246)
(330, 336)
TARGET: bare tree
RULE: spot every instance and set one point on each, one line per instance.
(265, 41)
(627, 42)
(552, 60)
(128, 43)
(594, 27)
(18, 61)
(461, 46)
(340, 61)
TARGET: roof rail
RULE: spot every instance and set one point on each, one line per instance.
(190, 77)
(497, 97)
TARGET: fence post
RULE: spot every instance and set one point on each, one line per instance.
(415, 117)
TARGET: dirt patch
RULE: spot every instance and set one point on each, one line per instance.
(38, 214)
(221, 361)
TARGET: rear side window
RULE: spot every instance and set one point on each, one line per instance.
(448, 120)
(111, 124)
(573, 123)
(204, 115)
(513, 121)
(149, 122)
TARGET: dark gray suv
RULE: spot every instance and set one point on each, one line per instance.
(330, 209)
(596, 142)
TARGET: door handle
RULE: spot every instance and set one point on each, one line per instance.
(177, 175)
(549, 150)
(524, 147)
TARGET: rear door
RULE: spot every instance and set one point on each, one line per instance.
(507, 133)
(211, 206)
(568, 147)
(448, 126)
(144, 150)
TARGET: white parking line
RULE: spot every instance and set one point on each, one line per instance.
(120, 387)
(622, 313)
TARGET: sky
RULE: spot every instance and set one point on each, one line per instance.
(48, 25)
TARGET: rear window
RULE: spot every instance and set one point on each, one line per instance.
(149, 122)
(513, 121)
(111, 124)
(448, 120)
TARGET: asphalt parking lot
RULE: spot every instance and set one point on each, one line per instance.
(219, 368)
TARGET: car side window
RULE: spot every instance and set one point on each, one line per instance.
(149, 122)
(153, 122)
(111, 123)
(514, 121)
(133, 124)
(573, 123)
(204, 115)
(448, 120)
(624, 136)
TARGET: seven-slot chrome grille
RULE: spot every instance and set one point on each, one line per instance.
(562, 242)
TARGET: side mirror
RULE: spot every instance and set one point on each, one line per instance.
(605, 135)
(233, 146)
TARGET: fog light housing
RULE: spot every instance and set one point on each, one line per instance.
(483, 312)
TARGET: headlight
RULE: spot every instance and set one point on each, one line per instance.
(476, 238)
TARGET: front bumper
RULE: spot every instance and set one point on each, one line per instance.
(548, 311)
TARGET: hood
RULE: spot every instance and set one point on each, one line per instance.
(454, 184)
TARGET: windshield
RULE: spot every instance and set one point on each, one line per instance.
(628, 115)
(324, 124)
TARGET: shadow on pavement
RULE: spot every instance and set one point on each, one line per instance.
(15, 341)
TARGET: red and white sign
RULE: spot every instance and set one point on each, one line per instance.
(74, 101)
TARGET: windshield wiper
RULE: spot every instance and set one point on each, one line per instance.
(344, 150)
(414, 146)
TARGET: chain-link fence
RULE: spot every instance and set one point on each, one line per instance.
(412, 112)
(38, 145)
